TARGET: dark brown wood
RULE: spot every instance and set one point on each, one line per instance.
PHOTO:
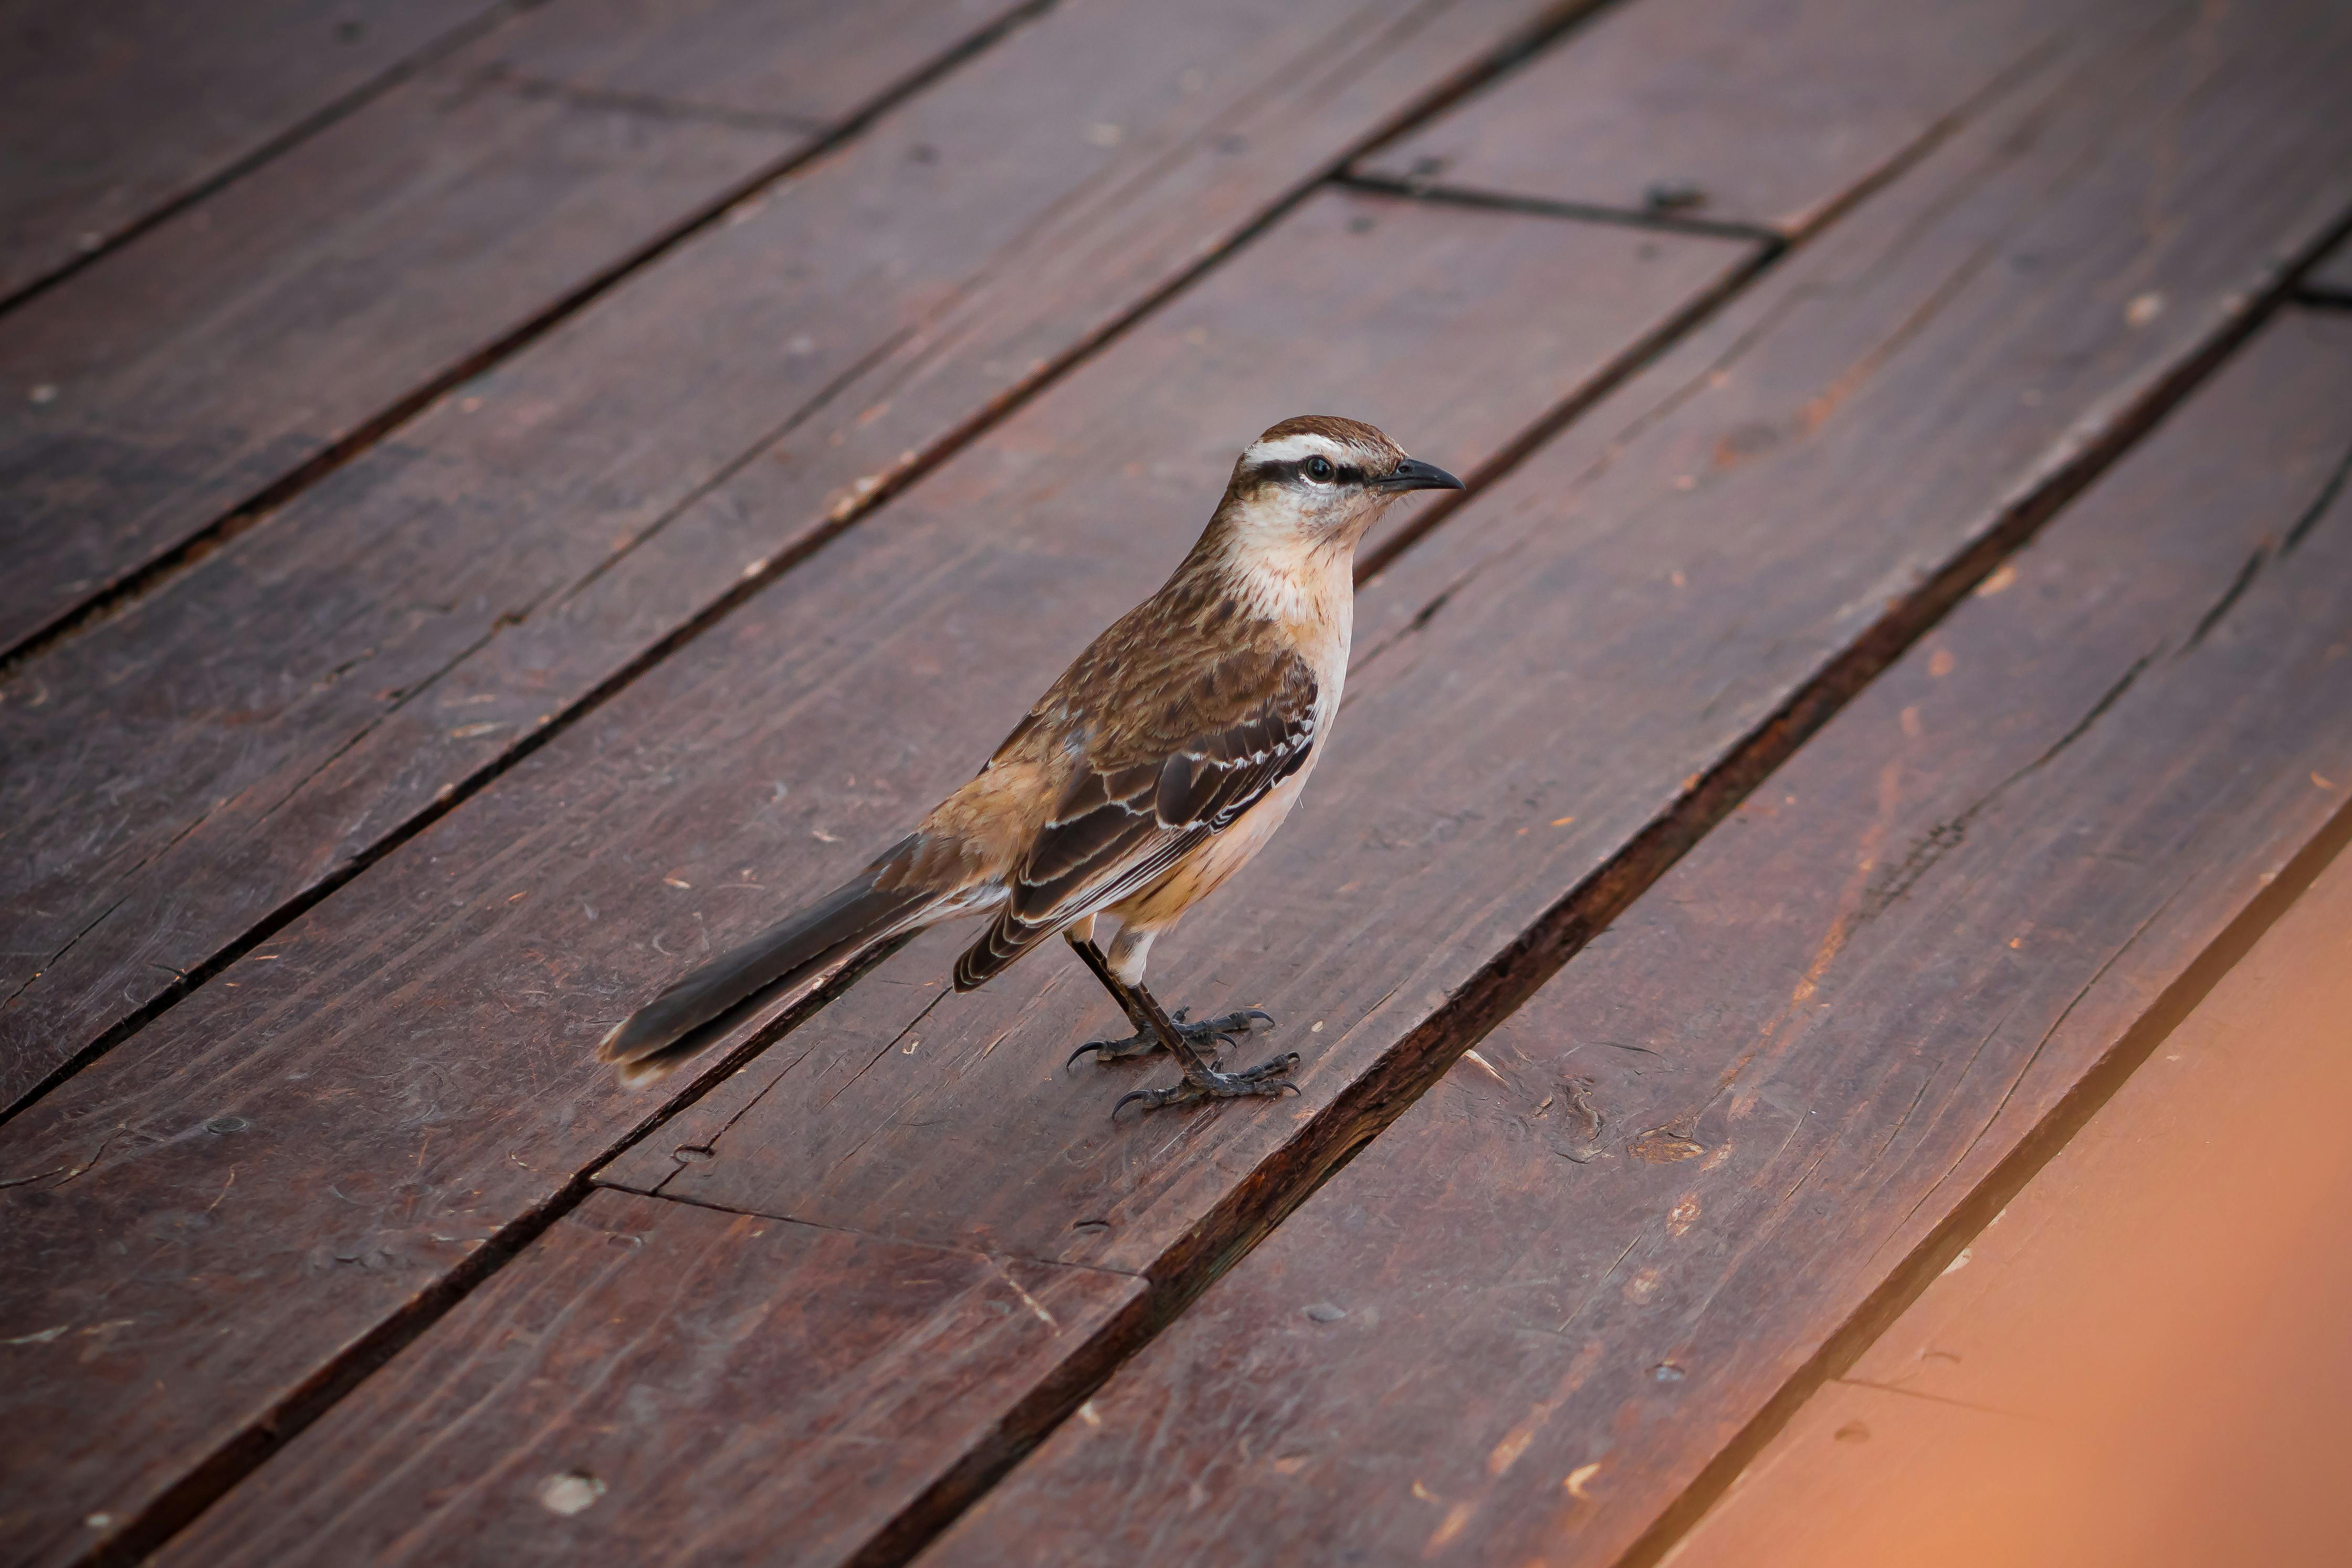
(407, 1069)
(293, 312)
(653, 1381)
(1521, 1324)
(408, 623)
(407, 1066)
(1767, 115)
(111, 112)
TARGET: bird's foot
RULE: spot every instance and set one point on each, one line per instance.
(1267, 1078)
(1207, 1036)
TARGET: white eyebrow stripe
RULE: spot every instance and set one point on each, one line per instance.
(1292, 447)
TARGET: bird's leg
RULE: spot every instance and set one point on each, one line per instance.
(1203, 1037)
(1201, 1079)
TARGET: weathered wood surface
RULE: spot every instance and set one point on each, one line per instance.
(657, 1382)
(1626, 608)
(111, 112)
(408, 1065)
(408, 622)
(1519, 1324)
(2141, 1363)
(1659, 107)
(306, 305)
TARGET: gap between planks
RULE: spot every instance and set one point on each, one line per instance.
(1668, 221)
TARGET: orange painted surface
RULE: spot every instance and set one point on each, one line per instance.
(2146, 1361)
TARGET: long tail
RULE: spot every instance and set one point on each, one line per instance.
(853, 918)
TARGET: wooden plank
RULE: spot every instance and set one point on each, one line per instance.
(1459, 335)
(408, 624)
(814, 1382)
(1767, 116)
(424, 1035)
(1522, 1322)
(2143, 1360)
(111, 112)
(260, 330)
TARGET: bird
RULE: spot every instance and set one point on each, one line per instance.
(1152, 770)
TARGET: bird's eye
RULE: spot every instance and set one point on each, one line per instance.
(1318, 469)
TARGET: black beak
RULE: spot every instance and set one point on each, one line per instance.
(1412, 474)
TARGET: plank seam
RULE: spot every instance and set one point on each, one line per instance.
(1905, 157)
(1546, 207)
(871, 1235)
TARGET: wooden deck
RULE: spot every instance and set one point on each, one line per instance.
(502, 498)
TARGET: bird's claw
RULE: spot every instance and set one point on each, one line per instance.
(1208, 1035)
(1267, 1078)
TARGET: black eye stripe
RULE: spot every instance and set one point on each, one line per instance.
(1286, 472)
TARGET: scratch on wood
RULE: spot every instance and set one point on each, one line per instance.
(1031, 1302)
(1597, 1284)
(1993, 1118)
(1782, 1032)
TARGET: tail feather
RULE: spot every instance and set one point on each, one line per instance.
(1005, 940)
(845, 922)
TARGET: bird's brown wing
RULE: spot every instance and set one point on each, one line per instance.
(1183, 768)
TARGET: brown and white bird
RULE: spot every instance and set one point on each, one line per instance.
(1157, 766)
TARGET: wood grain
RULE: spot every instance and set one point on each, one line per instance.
(1523, 1321)
(2141, 1362)
(109, 113)
(259, 330)
(1767, 115)
(406, 625)
(657, 1383)
(407, 1067)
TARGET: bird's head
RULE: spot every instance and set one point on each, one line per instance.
(1319, 480)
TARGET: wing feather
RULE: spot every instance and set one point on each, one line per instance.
(1146, 800)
